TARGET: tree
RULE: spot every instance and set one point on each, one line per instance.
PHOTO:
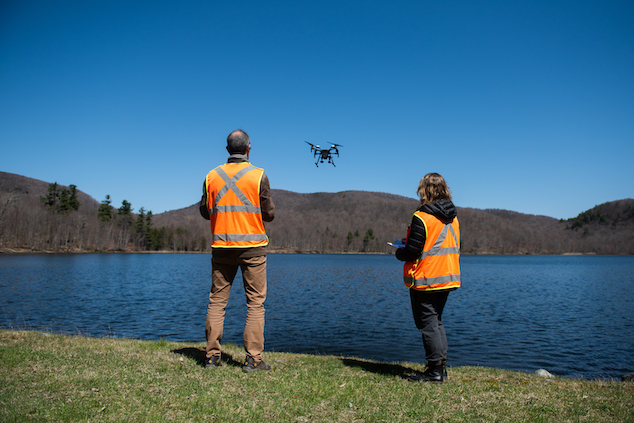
(126, 208)
(203, 243)
(156, 239)
(104, 214)
(63, 200)
(73, 202)
(125, 214)
(140, 222)
(369, 237)
(148, 223)
(62, 205)
(140, 229)
(52, 195)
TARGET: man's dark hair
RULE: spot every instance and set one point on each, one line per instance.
(238, 142)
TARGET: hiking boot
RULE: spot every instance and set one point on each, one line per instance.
(213, 362)
(432, 374)
(251, 365)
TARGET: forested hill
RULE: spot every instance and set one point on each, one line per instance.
(365, 221)
(349, 221)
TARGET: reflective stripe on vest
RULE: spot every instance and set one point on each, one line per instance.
(438, 267)
(236, 219)
(230, 184)
(435, 250)
(237, 237)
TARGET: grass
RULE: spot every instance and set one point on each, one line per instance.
(46, 377)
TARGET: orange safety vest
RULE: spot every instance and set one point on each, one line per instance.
(438, 267)
(233, 201)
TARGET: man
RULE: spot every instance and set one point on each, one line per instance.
(237, 200)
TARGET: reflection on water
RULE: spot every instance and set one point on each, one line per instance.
(569, 314)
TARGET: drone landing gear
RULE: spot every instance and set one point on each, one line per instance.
(324, 153)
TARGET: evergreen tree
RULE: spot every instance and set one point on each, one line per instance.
(126, 208)
(139, 228)
(140, 222)
(157, 239)
(369, 236)
(52, 195)
(64, 198)
(125, 214)
(104, 214)
(73, 202)
(148, 224)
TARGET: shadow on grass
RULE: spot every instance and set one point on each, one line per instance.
(199, 356)
(381, 368)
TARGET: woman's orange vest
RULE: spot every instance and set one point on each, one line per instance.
(438, 267)
(233, 201)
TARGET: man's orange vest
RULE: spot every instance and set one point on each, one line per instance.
(438, 268)
(233, 201)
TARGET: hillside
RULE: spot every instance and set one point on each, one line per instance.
(322, 222)
(34, 188)
(349, 221)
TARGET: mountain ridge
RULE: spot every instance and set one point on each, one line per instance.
(345, 221)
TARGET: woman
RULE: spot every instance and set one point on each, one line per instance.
(431, 255)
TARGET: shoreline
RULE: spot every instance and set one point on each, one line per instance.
(25, 251)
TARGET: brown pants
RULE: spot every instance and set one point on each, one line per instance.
(223, 272)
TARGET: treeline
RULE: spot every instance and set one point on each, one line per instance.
(64, 219)
(38, 216)
(363, 221)
(350, 221)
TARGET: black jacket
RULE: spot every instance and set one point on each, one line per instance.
(443, 210)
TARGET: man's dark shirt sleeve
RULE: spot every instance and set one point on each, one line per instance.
(266, 202)
(204, 211)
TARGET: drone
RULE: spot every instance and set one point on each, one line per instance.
(324, 153)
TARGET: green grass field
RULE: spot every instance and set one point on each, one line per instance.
(46, 377)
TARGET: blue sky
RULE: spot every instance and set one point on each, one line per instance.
(521, 105)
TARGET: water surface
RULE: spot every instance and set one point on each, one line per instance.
(571, 315)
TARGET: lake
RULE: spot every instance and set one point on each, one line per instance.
(571, 315)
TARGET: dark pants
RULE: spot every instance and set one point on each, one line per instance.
(427, 308)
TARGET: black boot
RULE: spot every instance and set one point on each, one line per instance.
(433, 373)
(444, 370)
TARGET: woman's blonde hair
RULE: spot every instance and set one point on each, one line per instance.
(433, 188)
